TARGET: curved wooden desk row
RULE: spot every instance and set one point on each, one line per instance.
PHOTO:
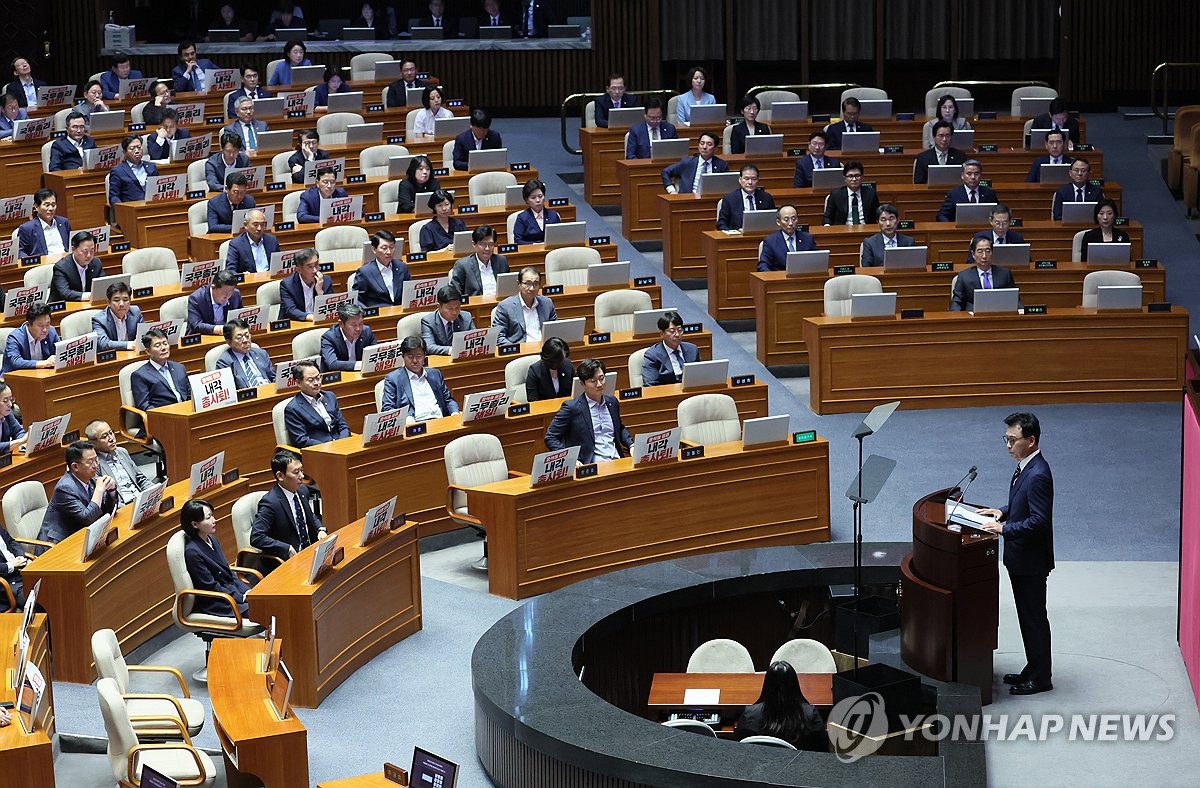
(956, 360)
(360, 477)
(781, 302)
(731, 259)
(126, 587)
(245, 433)
(27, 758)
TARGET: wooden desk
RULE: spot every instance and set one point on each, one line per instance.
(363, 476)
(955, 360)
(731, 259)
(13, 276)
(737, 689)
(548, 537)
(27, 759)
(376, 780)
(781, 302)
(259, 748)
(356, 610)
(126, 587)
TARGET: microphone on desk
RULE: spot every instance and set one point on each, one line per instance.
(968, 477)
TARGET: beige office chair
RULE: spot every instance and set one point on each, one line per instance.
(839, 289)
(515, 373)
(727, 138)
(1077, 246)
(806, 656)
(389, 197)
(270, 72)
(242, 519)
(932, 96)
(379, 396)
(410, 123)
(132, 418)
(195, 176)
(268, 295)
(414, 234)
(174, 309)
(279, 425)
(635, 368)
(223, 251)
(341, 243)
(291, 206)
(768, 741)
(691, 726)
(60, 118)
(77, 324)
(568, 266)
(383, 98)
(409, 325)
(307, 344)
(110, 664)
(281, 172)
(488, 189)
(39, 275)
(350, 277)
(614, 308)
(672, 109)
(473, 460)
(1025, 131)
(151, 266)
(448, 154)
(862, 94)
(197, 214)
(720, 655)
(707, 419)
(137, 114)
(766, 99)
(24, 505)
(332, 127)
(46, 155)
(373, 161)
(212, 355)
(589, 115)
(362, 66)
(511, 225)
(1035, 91)
(1098, 279)
(179, 761)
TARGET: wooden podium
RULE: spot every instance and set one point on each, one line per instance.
(950, 606)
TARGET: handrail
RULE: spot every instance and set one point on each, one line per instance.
(583, 107)
(1165, 70)
(754, 91)
(1021, 83)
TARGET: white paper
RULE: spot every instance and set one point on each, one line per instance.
(701, 697)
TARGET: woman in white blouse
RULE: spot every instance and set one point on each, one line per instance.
(697, 77)
(432, 99)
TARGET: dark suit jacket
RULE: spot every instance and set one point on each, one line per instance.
(684, 171)
(7, 125)
(835, 130)
(184, 83)
(236, 128)
(1029, 521)
(542, 18)
(240, 256)
(572, 426)
(298, 158)
(465, 142)
(969, 280)
(949, 209)
(1035, 170)
(837, 205)
(406, 194)
(16, 349)
(274, 530)
(656, 364)
(733, 207)
(214, 170)
(465, 274)
(151, 391)
(637, 145)
(31, 241)
(397, 391)
(220, 212)
(737, 135)
(257, 356)
(1044, 121)
(775, 251)
(65, 284)
(64, 155)
(72, 509)
(291, 295)
(434, 238)
(872, 254)
(539, 386)
(201, 319)
(210, 572)
(159, 152)
(526, 230)
(433, 331)
(449, 25)
(310, 204)
(370, 287)
(1066, 193)
(1096, 236)
(306, 427)
(335, 356)
(239, 94)
(802, 177)
(123, 185)
(510, 319)
(110, 83)
(15, 88)
(1010, 237)
(605, 103)
(105, 326)
(396, 95)
(927, 158)
(10, 429)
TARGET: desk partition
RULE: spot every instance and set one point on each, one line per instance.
(27, 758)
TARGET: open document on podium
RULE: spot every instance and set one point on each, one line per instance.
(964, 514)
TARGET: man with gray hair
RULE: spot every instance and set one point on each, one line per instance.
(343, 344)
(116, 462)
(970, 192)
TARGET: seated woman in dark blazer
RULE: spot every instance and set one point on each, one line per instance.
(418, 179)
(782, 711)
(1105, 214)
(333, 84)
(439, 232)
(749, 107)
(553, 368)
(206, 562)
(530, 227)
(309, 150)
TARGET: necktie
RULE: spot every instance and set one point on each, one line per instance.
(679, 356)
(941, 157)
(170, 383)
(820, 164)
(654, 133)
(1015, 476)
(791, 242)
(855, 215)
(851, 128)
(890, 243)
(972, 197)
(495, 21)
(1078, 194)
(437, 21)
(252, 376)
(251, 142)
(449, 329)
(749, 202)
(301, 524)
(987, 280)
(197, 83)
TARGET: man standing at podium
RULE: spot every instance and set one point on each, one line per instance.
(1026, 524)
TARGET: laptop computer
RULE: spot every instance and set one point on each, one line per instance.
(280, 139)
(1119, 297)
(765, 430)
(873, 305)
(308, 75)
(610, 384)
(905, 258)
(1055, 173)
(514, 199)
(224, 36)
(705, 374)
(421, 204)
(1078, 212)
(487, 160)
(945, 174)
(1010, 254)
(507, 284)
(876, 108)
(860, 141)
(364, 133)
(563, 31)
(963, 139)
(444, 128)
(966, 106)
(462, 242)
(292, 34)
(569, 330)
(398, 166)
(708, 115)
(764, 145)
(566, 234)
(814, 262)
(1003, 299)
(828, 179)
(1037, 138)
(1109, 254)
(100, 285)
(718, 183)
(973, 214)
(645, 321)
(268, 108)
(358, 34)
(1032, 106)
(672, 150)
(346, 102)
(789, 110)
(100, 122)
(754, 222)
(388, 69)
(624, 117)
(608, 274)
(412, 96)
(489, 32)
(156, 779)
(468, 27)
(332, 26)
(426, 33)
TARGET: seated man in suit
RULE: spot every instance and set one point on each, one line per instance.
(999, 232)
(245, 126)
(250, 252)
(1056, 116)
(982, 275)
(550, 376)
(970, 191)
(250, 89)
(663, 361)
(24, 86)
(251, 365)
(439, 327)
(12, 561)
(326, 188)
(189, 75)
(849, 123)
(127, 181)
(66, 153)
(116, 463)
(591, 421)
(81, 497)
(652, 127)
(110, 81)
(1078, 189)
(520, 317)
(941, 153)
(158, 144)
(1056, 141)
(206, 564)
(476, 273)
(420, 390)
(479, 137)
(209, 306)
(614, 97)
(749, 196)
(32, 345)
(298, 291)
(887, 238)
(853, 203)
(342, 345)
(380, 282)
(748, 107)
(814, 159)
(775, 247)
(229, 157)
(285, 523)
(308, 153)
(73, 274)
(397, 95)
(116, 325)
(160, 381)
(312, 416)
(46, 233)
(690, 169)
(221, 207)
(493, 17)
(10, 112)
(437, 18)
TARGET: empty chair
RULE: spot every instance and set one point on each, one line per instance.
(24, 505)
(806, 656)
(389, 198)
(178, 761)
(839, 289)
(39, 275)
(614, 308)
(77, 324)
(769, 741)
(195, 175)
(692, 726)
(1186, 119)
(515, 373)
(706, 419)
(1097, 279)
(307, 344)
(291, 206)
(197, 215)
(173, 309)
(568, 266)
(332, 127)
(720, 655)
(1031, 91)
(409, 325)
(373, 161)
(472, 460)
(362, 66)
(341, 243)
(488, 188)
(932, 96)
(151, 266)
(864, 94)
(635, 368)
(110, 663)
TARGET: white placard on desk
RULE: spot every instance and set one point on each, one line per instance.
(282, 262)
(476, 343)
(160, 188)
(485, 404)
(191, 148)
(32, 129)
(75, 352)
(384, 426)
(213, 390)
(198, 274)
(100, 235)
(553, 466)
(255, 176)
(8, 252)
(325, 305)
(19, 301)
(701, 697)
(342, 210)
(46, 434)
(421, 294)
(16, 209)
(377, 521)
(651, 447)
(146, 503)
(256, 316)
(383, 357)
(206, 474)
(317, 166)
(190, 114)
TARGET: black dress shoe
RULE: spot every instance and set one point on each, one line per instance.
(1013, 678)
(1030, 688)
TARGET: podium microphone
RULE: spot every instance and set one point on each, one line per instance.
(969, 479)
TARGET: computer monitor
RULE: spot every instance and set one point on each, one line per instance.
(99, 122)
(1055, 173)
(432, 771)
(860, 141)
(872, 305)
(789, 110)
(1002, 299)
(426, 33)
(905, 257)
(672, 150)
(292, 34)
(566, 234)
(718, 183)
(278, 140)
(307, 75)
(973, 214)
(764, 145)
(758, 222)
(444, 128)
(412, 96)
(828, 179)
(489, 32)
(624, 117)
(608, 275)
(462, 242)
(966, 106)
(1078, 212)
(398, 166)
(358, 34)
(963, 139)
(421, 204)
(814, 262)
(514, 197)
(507, 284)
(346, 102)
(708, 114)
(1109, 254)
(765, 430)
(101, 283)
(705, 374)
(563, 31)
(945, 174)
(269, 108)
(1010, 254)
(875, 108)
(388, 69)
(1037, 138)
(645, 321)
(569, 330)
(1032, 106)
(1119, 297)
(224, 36)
